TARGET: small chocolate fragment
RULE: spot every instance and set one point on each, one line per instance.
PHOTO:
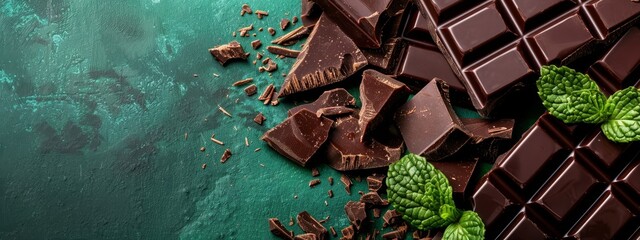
(314, 182)
(429, 125)
(259, 119)
(283, 51)
(271, 31)
(309, 224)
(265, 94)
(331, 98)
(329, 56)
(310, 13)
(284, 23)
(260, 14)
(245, 9)
(332, 112)
(202, 149)
(299, 136)
(458, 172)
(356, 213)
(391, 217)
(347, 183)
(345, 152)
(244, 31)
(380, 95)
(279, 230)
(242, 82)
(258, 56)
(315, 172)
(373, 199)
(330, 193)
(292, 37)
(376, 212)
(251, 90)
(228, 52)
(399, 233)
(482, 129)
(256, 44)
(294, 19)
(225, 156)
(348, 233)
(271, 66)
(385, 57)
(306, 236)
(375, 182)
(333, 231)
(330, 179)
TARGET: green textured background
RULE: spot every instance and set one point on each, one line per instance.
(95, 99)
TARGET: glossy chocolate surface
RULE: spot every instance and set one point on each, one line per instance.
(380, 96)
(332, 98)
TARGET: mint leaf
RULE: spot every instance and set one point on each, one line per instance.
(571, 96)
(417, 190)
(470, 227)
(623, 107)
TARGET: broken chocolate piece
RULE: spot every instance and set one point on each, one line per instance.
(228, 52)
(345, 152)
(271, 31)
(251, 89)
(284, 23)
(266, 93)
(331, 98)
(356, 213)
(256, 44)
(380, 95)
(279, 230)
(293, 36)
(332, 112)
(294, 19)
(225, 156)
(459, 172)
(314, 182)
(315, 172)
(271, 65)
(376, 212)
(309, 224)
(399, 233)
(306, 236)
(347, 183)
(310, 13)
(242, 82)
(260, 14)
(482, 129)
(333, 231)
(299, 136)
(244, 31)
(329, 56)
(385, 57)
(245, 9)
(283, 51)
(348, 233)
(375, 182)
(259, 119)
(429, 125)
(391, 217)
(330, 193)
(330, 179)
(373, 199)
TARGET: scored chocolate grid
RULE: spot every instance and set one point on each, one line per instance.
(519, 41)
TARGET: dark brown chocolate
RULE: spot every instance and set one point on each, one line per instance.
(251, 90)
(256, 44)
(348, 233)
(347, 183)
(299, 136)
(271, 65)
(242, 82)
(292, 37)
(458, 172)
(483, 129)
(332, 98)
(375, 182)
(345, 152)
(283, 51)
(391, 217)
(333, 112)
(225, 155)
(356, 213)
(373, 199)
(310, 13)
(380, 95)
(314, 182)
(309, 224)
(284, 23)
(328, 56)
(259, 119)
(399, 233)
(279, 230)
(428, 124)
(228, 52)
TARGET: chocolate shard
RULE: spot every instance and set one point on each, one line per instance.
(309, 224)
(255, 44)
(299, 136)
(458, 172)
(332, 112)
(380, 95)
(391, 217)
(385, 57)
(429, 125)
(345, 152)
(228, 52)
(356, 213)
(399, 233)
(363, 20)
(347, 183)
(306, 236)
(483, 129)
(284, 23)
(259, 119)
(283, 51)
(293, 36)
(328, 56)
(348, 233)
(375, 182)
(310, 13)
(373, 199)
(279, 230)
(332, 98)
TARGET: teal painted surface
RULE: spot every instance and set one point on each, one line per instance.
(95, 100)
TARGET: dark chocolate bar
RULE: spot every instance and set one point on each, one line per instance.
(495, 47)
(568, 181)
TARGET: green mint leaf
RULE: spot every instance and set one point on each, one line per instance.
(417, 190)
(571, 96)
(470, 227)
(449, 213)
(623, 107)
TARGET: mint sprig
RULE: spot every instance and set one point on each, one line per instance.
(423, 195)
(574, 97)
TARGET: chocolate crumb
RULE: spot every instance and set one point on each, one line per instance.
(283, 51)
(306, 236)
(259, 119)
(261, 13)
(271, 65)
(186, 136)
(314, 182)
(246, 141)
(258, 56)
(330, 193)
(251, 90)
(271, 31)
(326, 203)
(216, 140)
(242, 82)
(254, 62)
(204, 166)
(233, 34)
(294, 19)
(361, 193)
(245, 9)
(347, 183)
(257, 150)
(244, 31)
(325, 219)
(255, 34)
(315, 172)
(228, 52)
(284, 23)
(376, 212)
(202, 149)
(259, 29)
(195, 75)
(291, 223)
(309, 224)
(216, 75)
(225, 156)
(330, 181)
(333, 231)
(256, 43)
(224, 111)
(348, 233)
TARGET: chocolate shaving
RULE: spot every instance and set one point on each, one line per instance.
(283, 51)
(261, 13)
(265, 94)
(306, 236)
(333, 231)
(245, 9)
(292, 37)
(309, 224)
(373, 199)
(375, 182)
(256, 44)
(242, 82)
(356, 213)
(204, 166)
(224, 111)
(259, 119)
(271, 66)
(225, 156)
(314, 182)
(330, 179)
(347, 183)
(348, 233)
(251, 89)
(391, 217)
(279, 230)
(228, 52)
(244, 31)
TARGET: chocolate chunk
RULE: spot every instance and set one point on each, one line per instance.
(266, 93)
(428, 124)
(306, 236)
(375, 182)
(380, 95)
(332, 112)
(260, 14)
(310, 13)
(356, 213)
(294, 19)
(391, 217)
(251, 90)
(348, 233)
(363, 20)
(330, 193)
(279, 230)
(244, 31)
(245, 9)
(271, 65)
(347, 183)
(284, 23)
(314, 182)
(259, 119)
(225, 156)
(309, 224)
(283, 51)
(400, 233)
(333, 231)
(332, 98)
(329, 56)
(373, 199)
(292, 37)
(386, 56)
(458, 172)
(315, 172)
(376, 212)
(228, 52)
(299, 136)
(345, 152)
(271, 31)
(330, 179)
(256, 44)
